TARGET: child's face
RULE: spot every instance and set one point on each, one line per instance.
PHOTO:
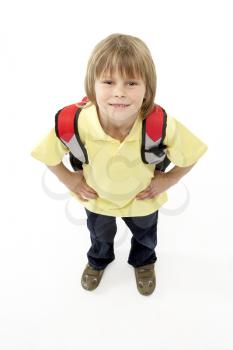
(119, 100)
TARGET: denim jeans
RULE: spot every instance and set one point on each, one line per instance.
(103, 229)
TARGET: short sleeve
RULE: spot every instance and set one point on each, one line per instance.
(183, 147)
(50, 150)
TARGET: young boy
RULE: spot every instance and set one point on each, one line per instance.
(120, 86)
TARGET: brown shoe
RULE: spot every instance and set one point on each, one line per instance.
(91, 278)
(145, 279)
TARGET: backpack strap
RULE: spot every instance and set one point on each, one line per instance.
(153, 133)
(66, 128)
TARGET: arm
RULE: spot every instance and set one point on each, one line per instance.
(163, 181)
(74, 181)
(176, 173)
(63, 173)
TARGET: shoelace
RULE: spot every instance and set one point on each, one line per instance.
(92, 272)
(146, 272)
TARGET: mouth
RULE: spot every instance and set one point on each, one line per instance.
(119, 105)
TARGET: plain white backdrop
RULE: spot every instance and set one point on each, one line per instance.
(44, 239)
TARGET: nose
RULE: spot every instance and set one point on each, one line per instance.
(119, 90)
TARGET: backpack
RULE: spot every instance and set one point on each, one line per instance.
(153, 132)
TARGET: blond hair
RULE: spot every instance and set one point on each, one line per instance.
(130, 57)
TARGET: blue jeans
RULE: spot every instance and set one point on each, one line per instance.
(103, 229)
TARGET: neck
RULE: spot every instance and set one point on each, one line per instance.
(117, 129)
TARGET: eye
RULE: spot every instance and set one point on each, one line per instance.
(132, 83)
(108, 82)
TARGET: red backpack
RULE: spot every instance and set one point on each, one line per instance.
(153, 132)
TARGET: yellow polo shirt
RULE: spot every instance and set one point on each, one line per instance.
(115, 170)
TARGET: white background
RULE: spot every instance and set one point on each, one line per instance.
(44, 49)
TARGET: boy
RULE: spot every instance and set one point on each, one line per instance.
(120, 86)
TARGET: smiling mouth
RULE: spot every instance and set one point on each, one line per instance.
(119, 105)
